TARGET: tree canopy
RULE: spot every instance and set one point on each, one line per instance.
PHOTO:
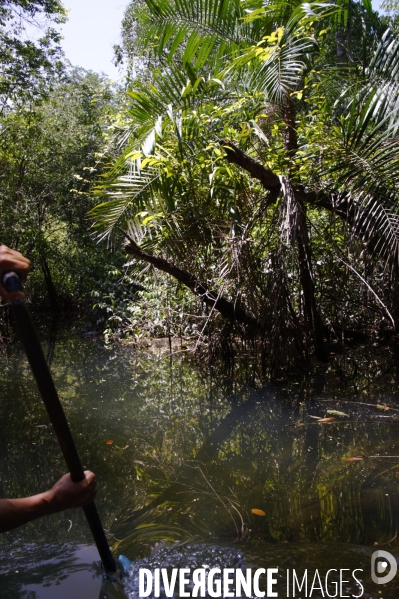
(248, 170)
(259, 164)
(26, 63)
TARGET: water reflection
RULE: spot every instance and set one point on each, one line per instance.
(32, 571)
(179, 456)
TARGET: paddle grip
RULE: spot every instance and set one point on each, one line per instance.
(12, 282)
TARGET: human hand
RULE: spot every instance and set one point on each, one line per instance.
(11, 260)
(67, 494)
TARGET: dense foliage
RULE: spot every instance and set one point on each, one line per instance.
(27, 65)
(53, 126)
(259, 167)
(248, 170)
(50, 155)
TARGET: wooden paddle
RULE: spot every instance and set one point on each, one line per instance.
(54, 408)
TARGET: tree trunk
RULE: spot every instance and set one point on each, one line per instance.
(312, 316)
(336, 203)
(228, 309)
(52, 293)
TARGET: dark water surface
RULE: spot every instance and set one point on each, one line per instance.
(183, 456)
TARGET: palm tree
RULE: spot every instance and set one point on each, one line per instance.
(225, 65)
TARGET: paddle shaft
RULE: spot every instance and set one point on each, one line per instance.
(55, 411)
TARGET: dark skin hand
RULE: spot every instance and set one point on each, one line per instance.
(65, 494)
(11, 260)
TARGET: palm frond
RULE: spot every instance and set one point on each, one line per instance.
(377, 223)
(275, 64)
(385, 62)
(368, 167)
(208, 29)
(371, 144)
(280, 74)
(127, 196)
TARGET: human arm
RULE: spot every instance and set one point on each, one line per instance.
(11, 260)
(65, 494)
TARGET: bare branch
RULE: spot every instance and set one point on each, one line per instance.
(337, 203)
(226, 308)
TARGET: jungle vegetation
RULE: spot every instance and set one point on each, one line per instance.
(240, 189)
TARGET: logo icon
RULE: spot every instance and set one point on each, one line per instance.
(380, 571)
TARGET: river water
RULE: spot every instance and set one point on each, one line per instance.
(299, 476)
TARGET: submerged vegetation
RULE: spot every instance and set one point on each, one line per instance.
(181, 455)
(240, 190)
